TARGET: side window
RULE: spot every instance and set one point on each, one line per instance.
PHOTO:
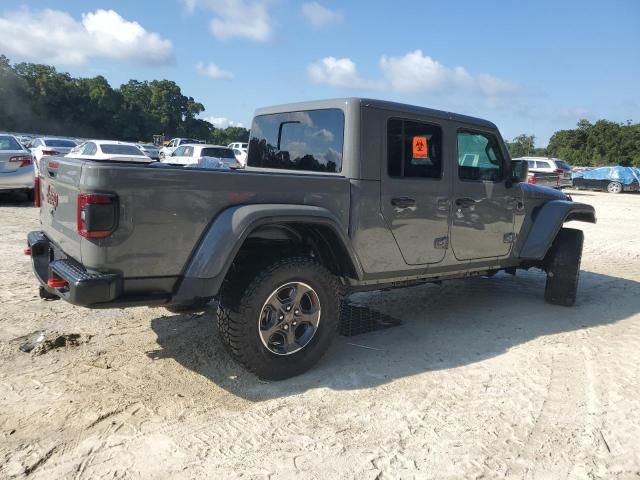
(531, 164)
(309, 140)
(90, 149)
(414, 149)
(479, 157)
(178, 152)
(544, 165)
(187, 152)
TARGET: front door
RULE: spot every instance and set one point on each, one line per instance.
(415, 197)
(483, 204)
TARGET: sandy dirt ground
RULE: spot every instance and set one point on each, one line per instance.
(483, 379)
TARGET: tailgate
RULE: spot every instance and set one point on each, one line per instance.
(59, 186)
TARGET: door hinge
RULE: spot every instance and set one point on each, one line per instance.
(509, 237)
(441, 243)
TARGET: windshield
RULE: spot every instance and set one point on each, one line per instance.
(217, 152)
(56, 142)
(149, 147)
(563, 165)
(112, 149)
(9, 143)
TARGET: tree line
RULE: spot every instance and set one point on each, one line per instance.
(36, 98)
(589, 144)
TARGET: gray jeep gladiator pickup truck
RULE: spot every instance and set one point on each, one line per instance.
(338, 195)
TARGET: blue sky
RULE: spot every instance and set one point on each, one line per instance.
(531, 67)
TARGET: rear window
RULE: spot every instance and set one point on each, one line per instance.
(9, 143)
(111, 149)
(310, 140)
(217, 152)
(54, 142)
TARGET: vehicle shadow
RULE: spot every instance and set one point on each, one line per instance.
(438, 331)
(15, 199)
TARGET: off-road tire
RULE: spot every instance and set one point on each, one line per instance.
(240, 305)
(562, 265)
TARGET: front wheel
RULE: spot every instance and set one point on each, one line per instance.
(562, 264)
(279, 321)
(614, 187)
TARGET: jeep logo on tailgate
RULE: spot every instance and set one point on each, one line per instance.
(52, 197)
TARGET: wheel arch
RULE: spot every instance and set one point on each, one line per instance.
(241, 226)
(548, 222)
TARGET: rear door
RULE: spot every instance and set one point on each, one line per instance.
(415, 193)
(483, 207)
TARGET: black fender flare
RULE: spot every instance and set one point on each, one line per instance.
(218, 246)
(548, 222)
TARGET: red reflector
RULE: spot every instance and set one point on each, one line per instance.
(57, 283)
(49, 152)
(36, 192)
(53, 165)
(27, 252)
(531, 179)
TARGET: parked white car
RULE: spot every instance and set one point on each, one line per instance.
(239, 146)
(169, 148)
(45, 146)
(108, 150)
(550, 165)
(16, 165)
(203, 154)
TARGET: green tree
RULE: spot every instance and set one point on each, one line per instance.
(522, 146)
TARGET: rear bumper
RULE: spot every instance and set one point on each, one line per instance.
(82, 287)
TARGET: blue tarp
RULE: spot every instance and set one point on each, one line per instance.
(624, 175)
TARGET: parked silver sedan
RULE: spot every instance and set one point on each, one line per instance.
(16, 165)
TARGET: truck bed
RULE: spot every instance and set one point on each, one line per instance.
(163, 212)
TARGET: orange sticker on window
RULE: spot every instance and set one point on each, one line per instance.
(420, 147)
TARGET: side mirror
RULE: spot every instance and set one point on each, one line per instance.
(519, 171)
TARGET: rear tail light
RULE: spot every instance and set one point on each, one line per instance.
(27, 252)
(57, 282)
(22, 160)
(532, 180)
(50, 152)
(97, 215)
(36, 192)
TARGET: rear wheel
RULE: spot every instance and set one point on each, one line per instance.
(279, 321)
(614, 187)
(562, 264)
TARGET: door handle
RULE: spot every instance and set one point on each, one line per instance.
(465, 202)
(403, 202)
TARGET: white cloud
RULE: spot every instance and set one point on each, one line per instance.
(222, 122)
(55, 37)
(319, 16)
(415, 72)
(214, 71)
(410, 73)
(248, 19)
(338, 72)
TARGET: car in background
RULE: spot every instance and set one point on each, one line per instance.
(544, 179)
(150, 150)
(239, 146)
(241, 156)
(108, 150)
(206, 155)
(174, 143)
(550, 165)
(43, 146)
(611, 179)
(16, 166)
